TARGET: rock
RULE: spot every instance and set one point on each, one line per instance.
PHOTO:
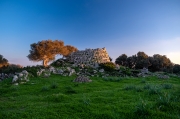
(89, 57)
(46, 75)
(16, 84)
(20, 75)
(52, 69)
(95, 71)
(25, 72)
(144, 71)
(101, 70)
(96, 65)
(59, 71)
(68, 68)
(82, 79)
(72, 71)
(117, 67)
(15, 78)
(40, 72)
(163, 77)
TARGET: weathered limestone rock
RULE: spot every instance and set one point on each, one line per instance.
(90, 57)
(15, 78)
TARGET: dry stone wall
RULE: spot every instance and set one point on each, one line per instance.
(90, 57)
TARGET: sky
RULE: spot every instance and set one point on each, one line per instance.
(122, 26)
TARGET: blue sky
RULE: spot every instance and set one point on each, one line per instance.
(122, 26)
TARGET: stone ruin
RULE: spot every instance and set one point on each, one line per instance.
(90, 57)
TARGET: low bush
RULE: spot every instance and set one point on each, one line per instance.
(129, 87)
(167, 86)
(108, 66)
(69, 90)
(154, 90)
(142, 109)
(113, 79)
(54, 85)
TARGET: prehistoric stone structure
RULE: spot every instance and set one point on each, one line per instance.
(90, 57)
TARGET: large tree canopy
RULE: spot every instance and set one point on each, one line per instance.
(160, 62)
(3, 61)
(142, 60)
(46, 50)
(68, 49)
(122, 60)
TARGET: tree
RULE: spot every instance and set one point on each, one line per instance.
(160, 63)
(176, 68)
(131, 61)
(68, 49)
(3, 61)
(122, 60)
(142, 60)
(46, 50)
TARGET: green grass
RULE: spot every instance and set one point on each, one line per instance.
(103, 98)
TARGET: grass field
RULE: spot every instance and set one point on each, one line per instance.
(108, 98)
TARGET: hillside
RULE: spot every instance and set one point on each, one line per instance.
(103, 98)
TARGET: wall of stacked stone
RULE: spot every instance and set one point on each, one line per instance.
(90, 57)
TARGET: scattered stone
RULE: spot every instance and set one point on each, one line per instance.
(16, 84)
(163, 77)
(52, 69)
(15, 78)
(72, 71)
(117, 67)
(95, 71)
(82, 79)
(144, 71)
(101, 70)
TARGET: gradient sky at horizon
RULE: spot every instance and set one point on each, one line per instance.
(122, 26)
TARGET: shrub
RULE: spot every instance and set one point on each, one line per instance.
(108, 66)
(12, 68)
(154, 90)
(45, 88)
(142, 109)
(129, 87)
(167, 86)
(164, 100)
(69, 90)
(139, 89)
(113, 79)
(143, 81)
(54, 85)
(126, 71)
(147, 86)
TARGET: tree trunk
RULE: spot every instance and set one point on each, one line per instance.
(45, 61)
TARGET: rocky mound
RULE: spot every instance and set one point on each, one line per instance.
(82, 79)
